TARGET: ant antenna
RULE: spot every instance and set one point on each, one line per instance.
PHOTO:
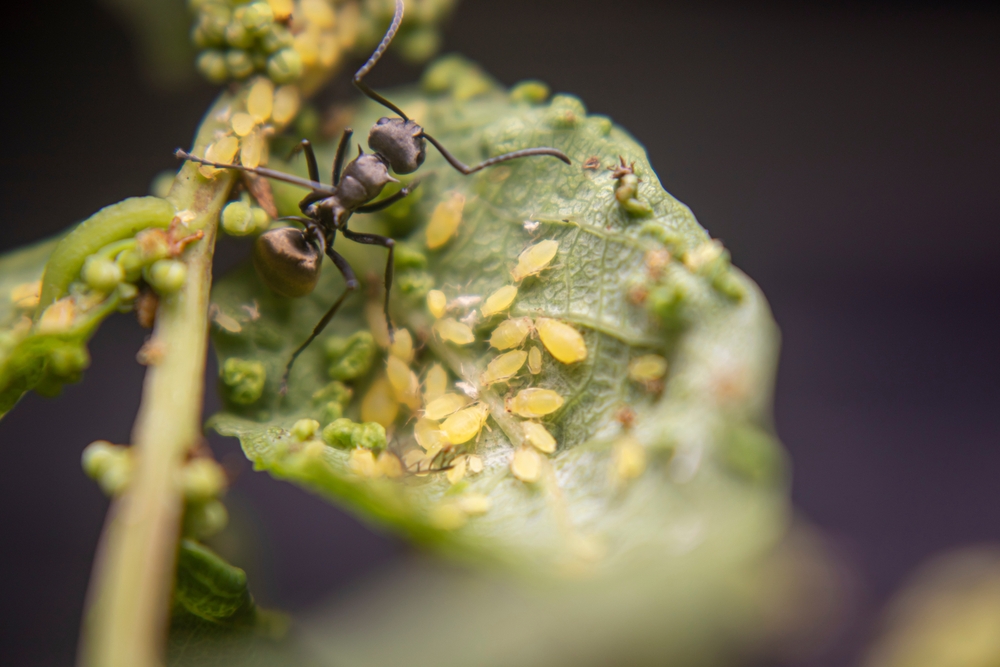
(466, 169)
(260, 171)
(383, 45)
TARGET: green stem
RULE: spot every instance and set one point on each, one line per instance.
(126, 622)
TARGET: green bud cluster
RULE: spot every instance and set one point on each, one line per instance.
(346, 434)
(240, 218)
(109, 465)
(304, 429)
(333, 399)
(352, 357)
(244, 380)
(202, 479)
(240, 38)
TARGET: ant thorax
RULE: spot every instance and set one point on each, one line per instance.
(363, 180)
(400, 142)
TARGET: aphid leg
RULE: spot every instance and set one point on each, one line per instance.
(375, 239)
(305, 147)
(260, 171)
(338, 162)
(352, 286)
(361, 73)
(388, 201)
(466, 169)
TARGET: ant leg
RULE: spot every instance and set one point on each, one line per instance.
(338, 162)
(352, 286)
(260, 171)
(388, 201)
(383, 45)
(465, 169)
(305, 147)
(386, 242)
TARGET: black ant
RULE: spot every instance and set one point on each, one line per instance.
(288, 259)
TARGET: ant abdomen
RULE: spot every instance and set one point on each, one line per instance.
(287, 262)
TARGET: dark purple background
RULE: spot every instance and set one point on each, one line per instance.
(846, 154)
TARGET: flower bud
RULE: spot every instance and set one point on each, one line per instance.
(239, 63)
(102, 274)
(284, 66)
(212, 65)
(202, 479)
(304, 429)
(244, 379)
(167, 275)
(237, 219)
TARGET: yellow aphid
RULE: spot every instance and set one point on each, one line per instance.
(465, 424)
(405, 385)
(286, 104)
(538, 437)
(534, 402)
(402, 346)
(57, 318)
(437, 303)
(504, 367)
(445, 405)
(535, 361)
(242, 124)
(499, 301)
(561, 340)
(526, 465)
(475, 464)
(475, 503)
(223, 150)
(647, 368)
(534, 259)
(319, 13)
(252, 149)
(436, 383)
(453, 331)
(375, 319)
(429, 436)
(362, 463)
(628, 459)
(379, 405)
(389, 465)
(26, 295)
(260, 100)
(282, 9)
(306, 44)
(448, 516)
(328, 50)
(457, 470)
(445, 220)
(511, 333)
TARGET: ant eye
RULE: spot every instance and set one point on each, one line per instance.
(287, 262)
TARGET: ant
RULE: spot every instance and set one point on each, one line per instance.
(289, 259)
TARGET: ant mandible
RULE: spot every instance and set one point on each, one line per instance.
(288, 259)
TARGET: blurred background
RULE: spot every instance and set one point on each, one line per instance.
(848, 154)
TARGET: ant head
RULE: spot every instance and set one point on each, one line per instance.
(287, 261)
(400, 142)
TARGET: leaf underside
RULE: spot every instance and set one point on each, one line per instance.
(713, 480)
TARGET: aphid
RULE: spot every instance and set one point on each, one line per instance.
(457, 471)
(465, 424)
(535, 361)
(291, 255)
(499, 301)
(445, 405)
(453, 331)
(534, 259)
(511, 333)
(538, 437)
(647, 368)
(429, 436)
(534, 402)
(379, 405)
(402, 346)
(503, 367)
(526, 465)
(405, 385)
(436, 383)
(561, 340)
(437, 302)
(475, 464)
(445, 219)
(628, 459)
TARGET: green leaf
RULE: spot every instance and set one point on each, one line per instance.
(213, 610)
(709, 473)
(44, 322)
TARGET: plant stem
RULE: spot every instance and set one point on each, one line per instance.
(126, 621)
